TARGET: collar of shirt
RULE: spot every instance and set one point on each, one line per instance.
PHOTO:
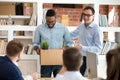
(91, 25)
(7, 58)
(72, 72)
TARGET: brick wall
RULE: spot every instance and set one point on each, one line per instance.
(74, 14)
(47, 5)
(103, 9)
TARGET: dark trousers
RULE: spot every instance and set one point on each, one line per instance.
(83, 67)
(46, 71)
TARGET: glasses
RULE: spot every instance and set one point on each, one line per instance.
(88, 15)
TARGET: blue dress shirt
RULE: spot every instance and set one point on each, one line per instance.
(54, 36)
(8, 70)
(91, 37)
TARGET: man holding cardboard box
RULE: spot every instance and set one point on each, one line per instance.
(54, 33)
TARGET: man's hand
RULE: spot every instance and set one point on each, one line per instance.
(35, 75)
(37, 49)
(79, 46)
(76, 39)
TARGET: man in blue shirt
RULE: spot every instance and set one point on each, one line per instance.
(54, 33)
(89, 35)
(8, 68)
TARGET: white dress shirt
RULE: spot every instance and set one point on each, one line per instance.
(70, 75)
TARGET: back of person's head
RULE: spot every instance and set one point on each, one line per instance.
(72, 59)
(13, 48)
(113, 64)
(50, 13)
(90, 8)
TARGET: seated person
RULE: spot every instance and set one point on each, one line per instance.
(72, 61)
(113, 64)
(8, 68)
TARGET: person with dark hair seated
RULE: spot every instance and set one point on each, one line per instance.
(113, 64)
(72, 60)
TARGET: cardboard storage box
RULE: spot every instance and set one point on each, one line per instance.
(51, 57)
(7, 8)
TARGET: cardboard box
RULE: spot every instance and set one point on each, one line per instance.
(7, 8)
(51, 57)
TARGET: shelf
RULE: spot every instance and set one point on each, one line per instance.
(12, 28)
(18, 0)
(104, 29)
(113, 29)
(67, 1)
(83, 1)
(3, 36)
(17, 28)
(22, 37)
(15, 17)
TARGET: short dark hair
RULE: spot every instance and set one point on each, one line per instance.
(50, 13)
(91, 8)
(72, 59)
(13, 48)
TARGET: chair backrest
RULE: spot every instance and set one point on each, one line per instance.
(91, 65)
(29, 64)
(96, 65)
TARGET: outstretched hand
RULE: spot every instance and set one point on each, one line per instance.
(79, 46)
(36, 75)
(37, 49)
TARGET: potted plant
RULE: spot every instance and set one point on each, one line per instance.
(45, 45)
